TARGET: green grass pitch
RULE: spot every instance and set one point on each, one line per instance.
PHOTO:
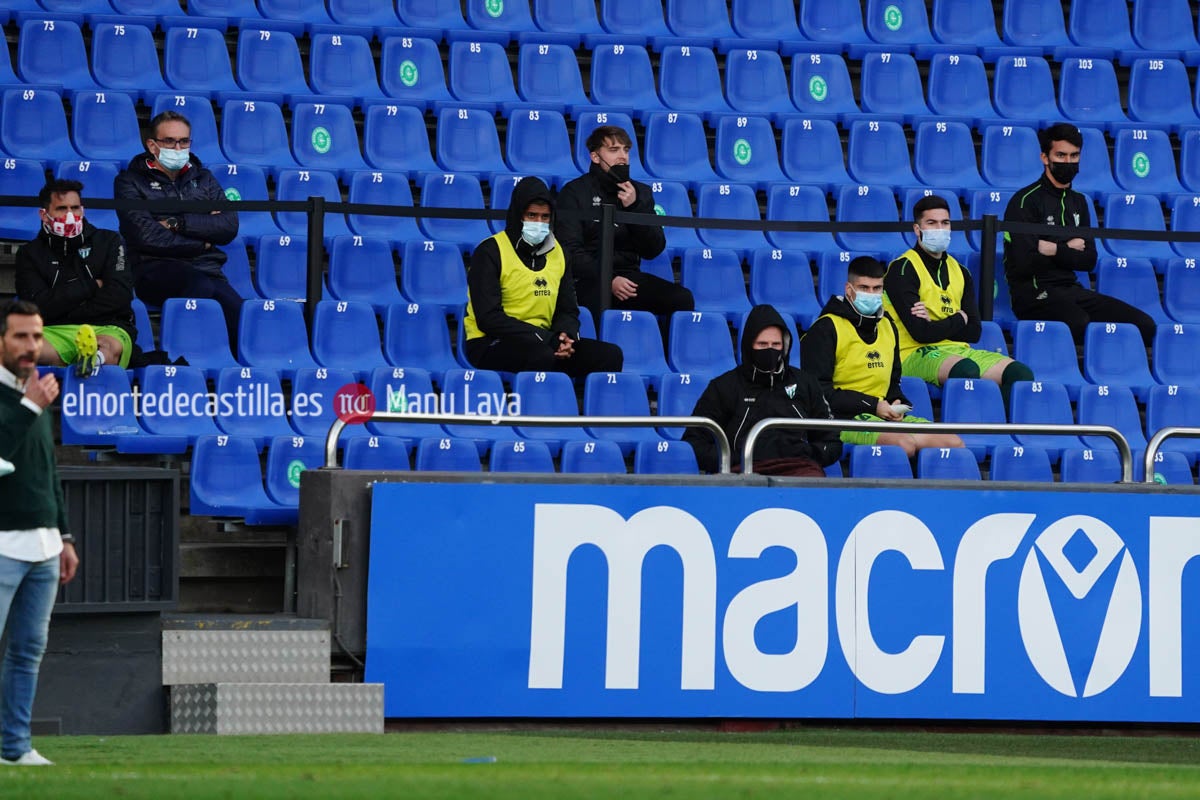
(809, 763)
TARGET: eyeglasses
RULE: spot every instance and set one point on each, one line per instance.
(175, 142)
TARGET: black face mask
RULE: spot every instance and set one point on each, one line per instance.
(1064, 171)
(768, 360)
(617, 173)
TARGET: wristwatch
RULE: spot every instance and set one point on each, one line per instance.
(173, 223)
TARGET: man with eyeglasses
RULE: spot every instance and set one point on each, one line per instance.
(176, 254)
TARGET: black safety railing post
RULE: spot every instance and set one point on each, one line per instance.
(606, 257)
(987, 266)
(315, 277)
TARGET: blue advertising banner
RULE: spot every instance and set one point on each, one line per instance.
(544, 600)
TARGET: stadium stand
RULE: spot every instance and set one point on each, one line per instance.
(821, 86)
(346, 335)
(124, 59)
(417, 336)
(410, 70)
(361, 269)
(637, 334)
(385, 189)
(282, 267)
(688, 80)
(699, 344)
(272, 335)
(783, 278)
(715, 277)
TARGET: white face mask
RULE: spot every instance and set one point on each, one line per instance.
(67, 227)
(535, 232)
(935, 240)
(173, 159)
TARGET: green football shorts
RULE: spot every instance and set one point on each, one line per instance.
(924, 362)
(872, 437)
(62, 339)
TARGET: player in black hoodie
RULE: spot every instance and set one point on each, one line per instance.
(765, 386)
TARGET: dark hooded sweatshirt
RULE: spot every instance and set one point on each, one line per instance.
(744, 395)
(483, 278)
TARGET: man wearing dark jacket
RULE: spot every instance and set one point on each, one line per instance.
(765, 386)
(176, 254)
(853, 353)
(607, 182)
(1041, 268)
(76, 274)
(521, 309)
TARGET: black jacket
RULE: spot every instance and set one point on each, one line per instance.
(151, 244)
(1025, 268)
(483, 278)
(903, 287)
(744, 395)
(581, 238)
(818, 355)
(60, 276)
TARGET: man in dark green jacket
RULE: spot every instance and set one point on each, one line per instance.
(37, 551)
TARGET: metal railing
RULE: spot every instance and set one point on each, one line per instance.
(939, 427)
(724, 458)
(1155, 443)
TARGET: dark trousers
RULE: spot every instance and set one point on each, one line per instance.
(654, 294)
(1078, 306)
(517, 355)
(157, 283)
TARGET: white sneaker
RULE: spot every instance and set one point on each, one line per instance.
(30, 759)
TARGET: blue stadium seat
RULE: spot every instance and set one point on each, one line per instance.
(377, 453)
(756, 82)
(196, 61)
(141, 321)
(958, 89)
(445, 454)
(476, 392)
(700, 344)
(314, 404)
(300, 184)
(618, 394)
(432, 15)
(947, 464)
(1046, 347)
(51, 52)
(237, 271)
(399, 390)
(1006, 155)
(1023, 90)
(1095, 177)
(1170, 467)
(588, 121)
(966, 23)
(699, 21)
(501, 196)
(944, 155)
(252, 132)
(638, 335)
(324, 137)
(769, 22)
(170, 381)
(886, 461)
(272, 335)
(364, 14)
(1181, 290)
(1185, 217)
(877, 154)
(677, 396)
(1116, 407)
(783, 278)
(869, 203)
(1175, 407)
(1088, 93)
(287, 457)
(260, 413)
(991, 338)
(33, 126)
(247, 182)
(821, 86)
(417, 336)
(1134, 281)
(162, 9)
(97, 179)
(1043, 402)
(1114, 355)
(1160, 94)
(467, 141)
(1101, 26)
(195, 330)
(385, 189)
(104, 415)
(501, 20)
(227, 481)
(665, 458)
(361, 268)
(432, 274)
(1177, 354)
(1002, 311)
(592, 457)
(1165, 24)
(1136, 212)
(716, 280)
(346, 335)
(342, 65)
(207, 12)
(831, 274)
(1023, 464)
(622, 79)
(452, 190)
(673, 199)
(635, 19)
(547, 394)
(917, 392)
(1091, 466)
(688, 80)
(1144, 163)
(812, 154)
(677, 148)
(1035, 24)
(729, 201)
(480, 76)
(587, 325)
(548, 75)
(302, 12)
(745, 151)
(891, 87)
(986, 201)
(410, 69)
(978, 400)
(536, 143)
(206, 143)
(104, 125)
(567, 20)
(901, 25)
(799, 204)
(395, 139)
(521, 456)
(833, 23)
(268, 64)
(125, 60)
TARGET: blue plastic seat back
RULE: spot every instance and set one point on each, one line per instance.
(301, 184)
(247, 182)
(206, 142)
(1007, 155)
(97, 179)
(987, 201)
(395, 139)
(548, 74)
(869, 203)
(51, 51)
(223, 9)
(640, 18)
(433, 274)
(991, 338)
(1144, 162)
(766, 19)
(1116, 407)
(287, 458)
(411, 70)
(521, 455)
(1046, 347)
(880, 461)
(877, 153)
(1114, 354)
(1034, 23)
(467, 141)
(269, 61)
(282, 267)
(729, 201)
(958, 86)
(377, 453)
(453, 190)
(745, 150)
(1136, 212)
(593, 457)
(145, 331)
(316, 396)
(364, 13)
(699, 18)
(799, 203)
(637, 334)
(476, 392)
(272, 335)
(700, 344)
(1088, 92)
(346, 335)
(177, 381)
(964, 22)
(480, 73)
(975, 400)
(33, 125)
(832, 22)
(361, 268)
(226, 477)
(124, 57)
(262, 411)
(622, 78)
(547, 394)
(1021, 463)
(783, 278)
(342, 64)
(756, 83)
(677, 148)
(1134, 281)
(104, 125)
(195, 329)
(1023, 88)
(567, 16)
(1177, 354)
(1095, 177)
(1174, 406)
(1091, 466)
(821, 85)
(1101, 23)
(537, 144)
(309, 12)
(617, 394)
(1185, 216)
(324, 137)
(1160, 92)
(1181, 290)
(832, 274)
(672, 198)
(1170, 468)
(677, 396)
(688, 79)
(900, 23)
(1043, 402)
(252, 132)
(891, 84)
(196, 61)
(504, 17)
(715, 277)
(431, 14)
(947, 464)
(400, 390)
(447, 454)
(944, 155)
(385, 189)
(665, 457)
(917, 392)
(417, 335)
(1164, 24)
(103, 408)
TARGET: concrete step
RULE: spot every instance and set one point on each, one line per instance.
(268, 708)
(244, 649)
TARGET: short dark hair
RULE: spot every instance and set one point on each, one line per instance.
(23, 308)
(57, 186)
(865, 267)
(1059, 132)
(597, 137)
(165, 116)
(928, 203)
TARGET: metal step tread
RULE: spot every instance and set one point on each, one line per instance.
(269, 708)
(244, 649)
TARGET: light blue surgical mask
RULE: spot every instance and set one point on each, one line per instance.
(173, 159)
(868, 303)
(935, 240)
(535, 232)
